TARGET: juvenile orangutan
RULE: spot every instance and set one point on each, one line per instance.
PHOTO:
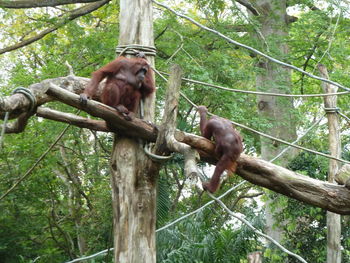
(228, 145)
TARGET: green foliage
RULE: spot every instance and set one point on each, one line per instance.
(305, 226)
(197, 240)
(163, 199)
(38, 221)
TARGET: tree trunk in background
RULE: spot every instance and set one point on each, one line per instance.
(333, 220)
(133, 184)
(277, 112)
(255, 257)
(75, 202)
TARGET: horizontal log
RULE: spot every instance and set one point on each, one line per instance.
(115, 121)
(329, 196)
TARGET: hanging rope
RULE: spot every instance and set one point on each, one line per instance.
(297, 140)
(344, 116)
(91, 256)
(258, 232)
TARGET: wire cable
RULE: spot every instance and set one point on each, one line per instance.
(249, 48)
(256, 230)
(259, 92)
(261, 133)
(35, 164)
(91, 256)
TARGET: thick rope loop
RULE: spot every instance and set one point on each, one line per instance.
(135, 49)
(30, 96)
(155, 157)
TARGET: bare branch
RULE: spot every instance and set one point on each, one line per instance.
(308, 58)
(18, 125)
(40, 3)
(61, 22)
(249, 6)
(96, 125)
(169, 123)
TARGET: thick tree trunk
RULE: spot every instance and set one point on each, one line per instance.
(276, 111)
(333, 220)
(133, 185)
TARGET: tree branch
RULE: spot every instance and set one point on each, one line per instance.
(116, 122)
(96, 125)
(329, 196)
(311, 53)
(40, 3)
(18, 125)
(249, 6)
(61, 22)
(18, 103)
(168, 126)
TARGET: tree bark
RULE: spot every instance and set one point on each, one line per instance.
(333, 220)
(275, 111)
(40, 3)
(133, 179)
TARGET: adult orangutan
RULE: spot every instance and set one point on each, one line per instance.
(228, 145)
(128, 81)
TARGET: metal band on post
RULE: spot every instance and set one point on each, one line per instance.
(331, 110)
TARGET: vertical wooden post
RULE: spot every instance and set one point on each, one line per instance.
(133, 184)
(333, 220)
